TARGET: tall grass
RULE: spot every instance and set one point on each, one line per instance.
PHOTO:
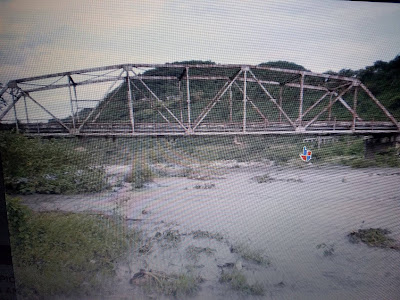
(47, 166)
(68, 254)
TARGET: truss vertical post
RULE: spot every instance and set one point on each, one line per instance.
(244, 99)
(301, 99)
(230, 105)
(188, 99)
(353, 126)
(15, 111)
(330, 108)
(71, 81)
(77, 102)
(26, 110)
(71, 102)
(130, 105)
(180, 95)
(280, 102)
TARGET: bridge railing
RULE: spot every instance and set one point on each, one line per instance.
(41, 127)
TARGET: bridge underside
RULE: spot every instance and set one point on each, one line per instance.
(135, 100)
(148, 129)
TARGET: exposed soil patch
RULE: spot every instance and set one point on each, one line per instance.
(205, 234)
(205, 186)
(266, 178)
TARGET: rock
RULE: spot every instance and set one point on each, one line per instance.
(239, 265)
(227, 265)
(281, 284)
(138, 278)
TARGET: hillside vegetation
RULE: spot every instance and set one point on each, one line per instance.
(383, 79)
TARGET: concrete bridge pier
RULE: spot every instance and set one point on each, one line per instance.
(379, 143)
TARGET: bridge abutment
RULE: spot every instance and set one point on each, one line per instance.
(380, 143)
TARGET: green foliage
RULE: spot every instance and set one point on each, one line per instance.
(255, 255)
(388, 158)
(283, 65)
(263, 178)
(47, 166)
(238, 282)
(359, 162)
(63, 253)
(139, 174)
(177, 285)
(374, 237)
(18, 219)
(383, 79)
(328, 250)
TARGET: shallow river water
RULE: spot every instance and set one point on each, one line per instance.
(286, 218)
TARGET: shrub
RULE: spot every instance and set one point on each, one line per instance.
(238, 282)
(18, 218)
(65, 254)
(257, 256)
(47, 166)
(139, 174)
(177, 285)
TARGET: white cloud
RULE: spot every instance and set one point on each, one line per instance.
(45, 36)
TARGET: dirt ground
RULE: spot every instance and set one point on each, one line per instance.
(290, 228)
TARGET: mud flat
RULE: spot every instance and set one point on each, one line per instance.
(286, 234)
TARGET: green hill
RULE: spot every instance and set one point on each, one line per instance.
(383, 79)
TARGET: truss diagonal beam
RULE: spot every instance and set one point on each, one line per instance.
(105, 103)
(252, 104)
(159, 100)
(182, 74)
(385, 111)
(272, 99)
(328, 106)
(314, 105)
(353, 112)
(47, 111)
(9, 107)
(151, 104)
(3, 90)
(214, 101)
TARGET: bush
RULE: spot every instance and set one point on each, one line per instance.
(18, 218)
(139, 174)
(388, 158)
(47, 167)
(178, 285)
(66, 254)
(238, 282)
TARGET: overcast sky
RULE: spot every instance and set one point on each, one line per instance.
(46, 36)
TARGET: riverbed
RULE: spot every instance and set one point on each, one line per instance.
(292, 219)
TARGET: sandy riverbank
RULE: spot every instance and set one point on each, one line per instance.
(283, 219)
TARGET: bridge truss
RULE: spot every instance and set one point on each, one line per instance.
(250, 100)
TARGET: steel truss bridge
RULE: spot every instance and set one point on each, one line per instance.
(261, 89)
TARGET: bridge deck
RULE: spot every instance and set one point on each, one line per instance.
(180, 94)
(165, 129)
